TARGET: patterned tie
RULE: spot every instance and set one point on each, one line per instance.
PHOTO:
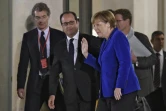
(71, 49)
(157, 72)
(44, 53)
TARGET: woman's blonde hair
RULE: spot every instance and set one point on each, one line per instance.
(105, 16)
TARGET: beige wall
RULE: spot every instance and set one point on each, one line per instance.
(74, 6)
(99, 5)
(21, 10)
(145, 16)
(145, 12)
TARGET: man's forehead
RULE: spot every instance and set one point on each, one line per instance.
(71, 16)
(159, 36)
(41, 12)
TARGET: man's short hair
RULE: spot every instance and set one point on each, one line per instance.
(40, 7)
(126, 14)
(68, 12)
(156, 33)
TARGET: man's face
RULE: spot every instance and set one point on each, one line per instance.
(158, 42)
(41, 19)
(121, 24)
(69, 25)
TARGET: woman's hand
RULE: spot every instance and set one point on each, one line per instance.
(117, 93)
(84, 47)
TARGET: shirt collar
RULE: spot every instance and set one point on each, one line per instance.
(45, 31)
(160, 52)
(76, 36)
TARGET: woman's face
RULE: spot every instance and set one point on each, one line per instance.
(102, 29)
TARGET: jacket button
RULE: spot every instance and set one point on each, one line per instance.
(74, 68)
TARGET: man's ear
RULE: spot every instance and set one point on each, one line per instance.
(151, 41)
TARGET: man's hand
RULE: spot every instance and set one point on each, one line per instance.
(21, 93)
(117, 93)
(51, 102)
(133, 57)
(84, 47)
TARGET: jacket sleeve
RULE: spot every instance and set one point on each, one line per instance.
(23, 63)
(145, 62)
(92, 61)
(54, 75)
(122, 51)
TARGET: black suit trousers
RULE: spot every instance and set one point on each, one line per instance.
(35, 100)
(126, 103)
(156, 101)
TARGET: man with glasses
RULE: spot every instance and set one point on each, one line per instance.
(37, 49)
(79, 79)
(143, 64)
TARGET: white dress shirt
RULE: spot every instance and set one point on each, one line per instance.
(47, 42)
(75, 42)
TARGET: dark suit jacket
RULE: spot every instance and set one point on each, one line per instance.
(144, 68)
(163, 80)
(157, 98)
(30, 53)
(76, 77)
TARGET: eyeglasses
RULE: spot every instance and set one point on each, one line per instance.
(43, 17)
(68, 23)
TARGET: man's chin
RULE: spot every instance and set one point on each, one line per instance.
(41, 28)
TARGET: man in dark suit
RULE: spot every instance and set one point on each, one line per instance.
(156, 99)
(142, 64)
(78, 78)
(37, 48)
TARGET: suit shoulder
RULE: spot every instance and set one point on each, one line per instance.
(57, 31)
(139, 34)
(119, 35)
(30, 32)
(59, 47)
(60, 43)
(164, 52)
(85, 35)
(90, 37)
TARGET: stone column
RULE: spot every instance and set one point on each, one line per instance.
(85, 13)
(65, 5)
(5, 55)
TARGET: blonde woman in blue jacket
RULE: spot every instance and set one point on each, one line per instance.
(119, 83)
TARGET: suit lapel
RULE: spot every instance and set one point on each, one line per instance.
(79, 52)
(105, 43)
(35, 42)
(164, 62)
(51, 41)
(64, 45)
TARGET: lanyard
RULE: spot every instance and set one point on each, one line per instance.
(43, 47)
